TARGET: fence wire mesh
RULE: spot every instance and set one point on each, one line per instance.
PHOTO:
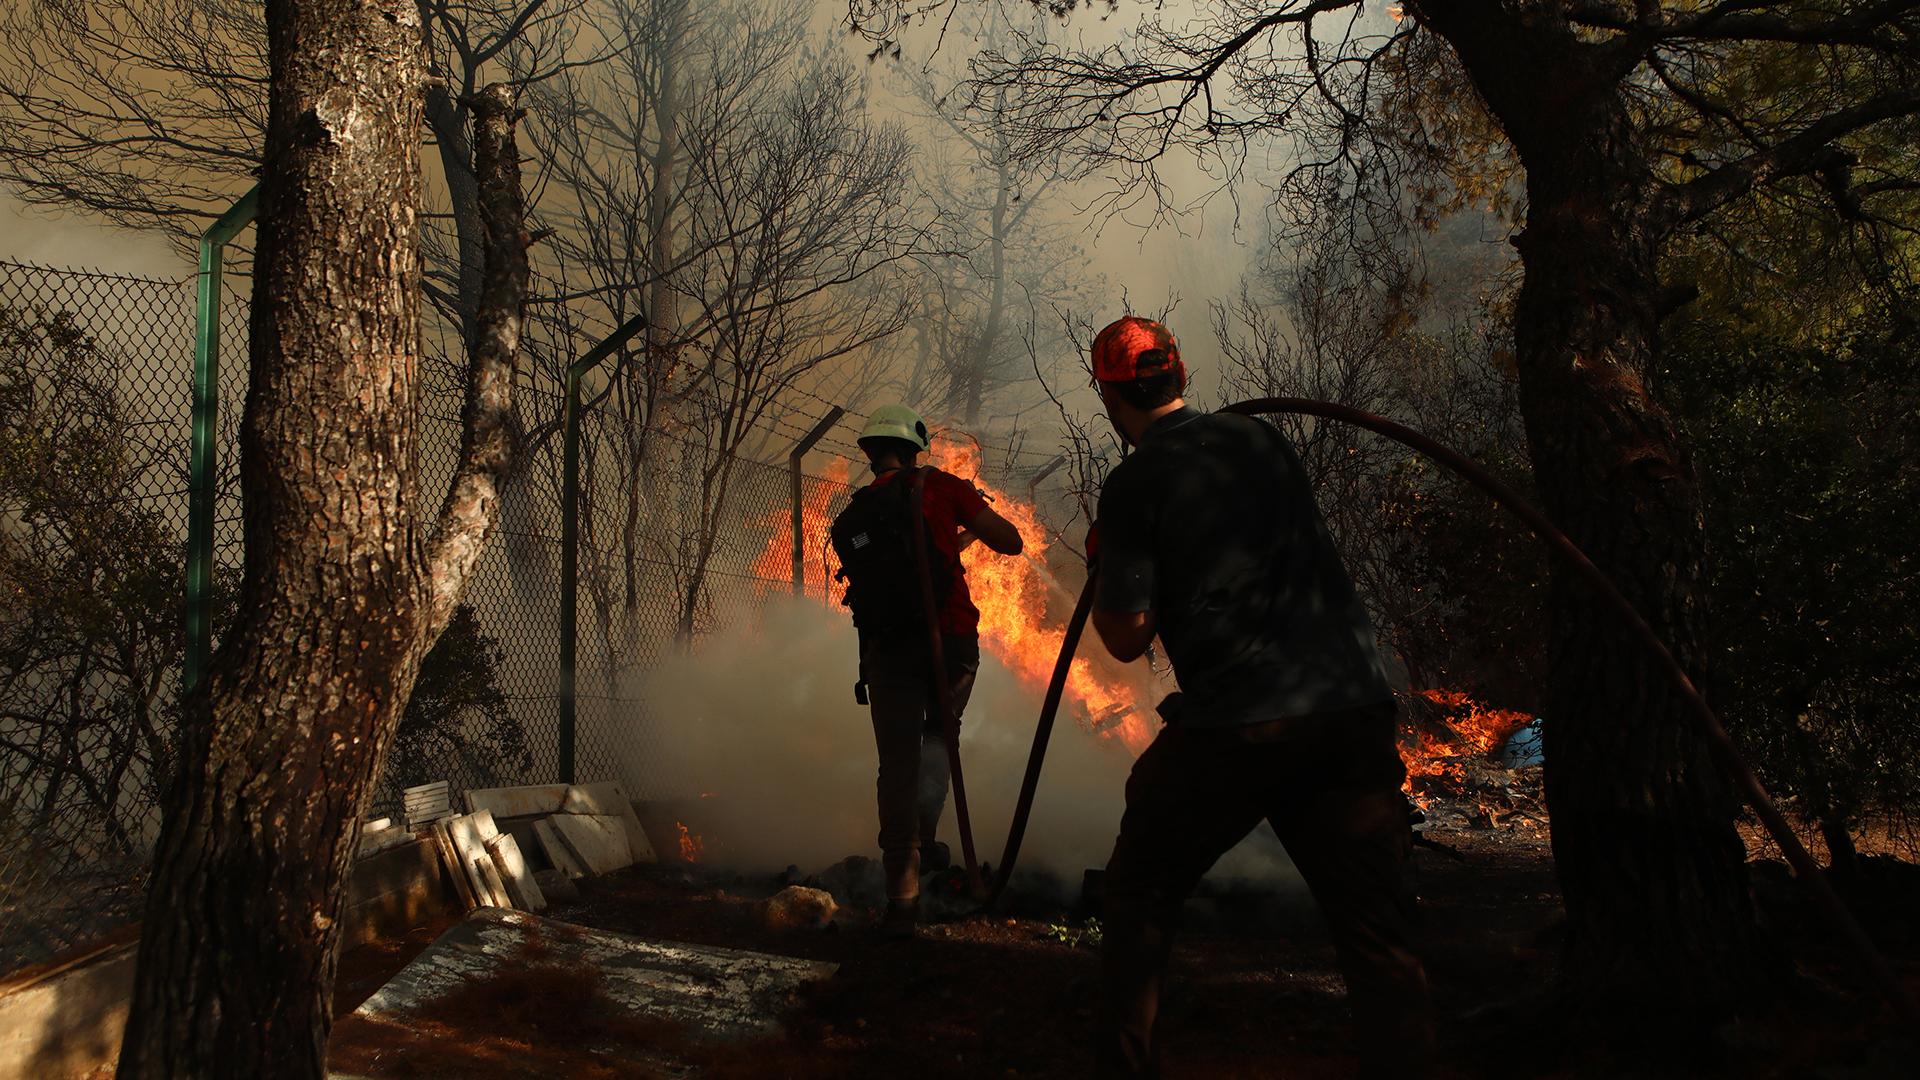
(677, 541)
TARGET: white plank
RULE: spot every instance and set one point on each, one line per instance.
(490, 883)
(521, 888)
(470, 834)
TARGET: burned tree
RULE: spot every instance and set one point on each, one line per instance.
(347, 582)
(1627, 125)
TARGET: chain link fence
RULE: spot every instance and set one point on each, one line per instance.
(677, 542)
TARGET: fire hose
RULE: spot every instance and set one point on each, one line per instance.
(1719, 744)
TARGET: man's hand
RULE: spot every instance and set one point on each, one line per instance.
(1093, 541)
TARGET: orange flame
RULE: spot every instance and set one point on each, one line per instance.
(691, 846)
(1011, 594)
(1472, 729)
(775, 564)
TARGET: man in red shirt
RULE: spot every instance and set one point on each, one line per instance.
(898, 668)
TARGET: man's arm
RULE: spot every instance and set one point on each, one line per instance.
(1126, 634)
(994, 531)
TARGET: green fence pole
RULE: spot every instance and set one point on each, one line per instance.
(569, 533)
(204, 445)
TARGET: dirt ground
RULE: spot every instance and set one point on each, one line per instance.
(1254, 990)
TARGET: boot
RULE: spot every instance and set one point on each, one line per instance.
(935, 857)
(900, 919)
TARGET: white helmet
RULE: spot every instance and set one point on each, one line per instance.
(897, 422)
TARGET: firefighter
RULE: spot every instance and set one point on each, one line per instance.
(1208, 537)
(896, 666)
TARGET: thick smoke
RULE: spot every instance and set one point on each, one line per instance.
(762, 723)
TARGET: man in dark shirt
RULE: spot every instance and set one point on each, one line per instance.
(1209, 538)
(897, 666)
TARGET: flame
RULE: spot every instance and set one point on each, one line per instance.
(775, 564)
(691, 845)
(1471, 729)
(1011, 594)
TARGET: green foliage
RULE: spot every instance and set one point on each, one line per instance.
(1807, 455)
(458, 716)
(1089, 933)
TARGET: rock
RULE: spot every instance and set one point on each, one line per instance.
(556, 886)
(795, 907)
(855, 882)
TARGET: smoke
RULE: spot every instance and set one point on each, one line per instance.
(34, 235)
(762, 725)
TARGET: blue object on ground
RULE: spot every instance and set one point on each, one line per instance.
(1523, 747)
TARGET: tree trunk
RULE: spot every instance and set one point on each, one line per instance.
(1660, 920)
(341, 596)
(1653, 873)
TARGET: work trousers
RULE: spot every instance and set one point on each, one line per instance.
(912, 741)
(1330, 785)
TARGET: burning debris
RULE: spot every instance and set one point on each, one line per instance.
(1457, 776)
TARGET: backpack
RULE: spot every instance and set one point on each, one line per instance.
(873, 539)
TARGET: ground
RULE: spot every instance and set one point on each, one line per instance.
(1254, 990)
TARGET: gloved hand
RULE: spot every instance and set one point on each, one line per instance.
(1093, 541)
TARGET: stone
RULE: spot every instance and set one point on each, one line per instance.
(606, 799)
(556, 886)
(795, 907)
(556, 849)
(521, 887)
(719, 994)
(598, 841)
(69, 1020)
(374, 841)
(506, 802)
(855, 882)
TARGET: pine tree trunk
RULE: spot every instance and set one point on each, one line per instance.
(1660, 920)
(237, 955)
(1653, 873)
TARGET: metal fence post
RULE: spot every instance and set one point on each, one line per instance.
(793, 465)
(203, 448)
(569, 534)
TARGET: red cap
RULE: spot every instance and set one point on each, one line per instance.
(1117, 351)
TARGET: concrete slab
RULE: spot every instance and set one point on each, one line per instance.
(598, 841)
(720, 994)
(556, 850)
(607, 799)
(506, 802)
